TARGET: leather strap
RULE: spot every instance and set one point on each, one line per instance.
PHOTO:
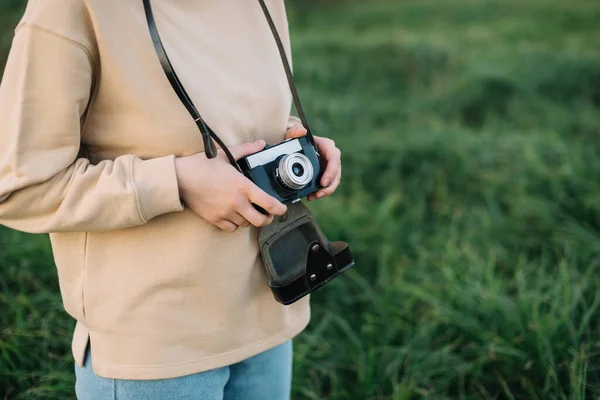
(208, 135)
(288, 71)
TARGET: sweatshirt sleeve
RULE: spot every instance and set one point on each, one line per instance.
(44, 185)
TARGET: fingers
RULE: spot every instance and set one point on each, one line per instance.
(328, 190)
(246, 149)
(239, 220)
(333, 158)
(257, 196)
(254, 217)
(246, 216)
(296, 131)
(226, 225)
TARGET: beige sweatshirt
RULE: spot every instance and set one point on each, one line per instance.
(89, 130)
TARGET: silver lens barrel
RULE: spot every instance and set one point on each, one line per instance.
(295, 171)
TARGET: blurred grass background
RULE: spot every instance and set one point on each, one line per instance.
(471, 198)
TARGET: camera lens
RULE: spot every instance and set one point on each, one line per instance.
(298, 169)
(295, 171)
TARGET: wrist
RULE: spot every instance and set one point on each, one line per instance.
(180, 167)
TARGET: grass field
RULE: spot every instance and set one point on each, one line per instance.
(470, 133)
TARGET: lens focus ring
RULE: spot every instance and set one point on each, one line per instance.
(295, 171)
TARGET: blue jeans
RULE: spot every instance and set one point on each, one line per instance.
(266, 376)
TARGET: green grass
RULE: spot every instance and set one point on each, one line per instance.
(471, 199)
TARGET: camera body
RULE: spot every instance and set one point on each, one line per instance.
(287, 171)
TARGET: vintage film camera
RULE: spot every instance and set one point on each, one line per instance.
(287, 171)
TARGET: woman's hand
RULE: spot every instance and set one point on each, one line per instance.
(330, 156)
(217, 192)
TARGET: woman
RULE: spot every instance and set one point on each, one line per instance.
(155, 244)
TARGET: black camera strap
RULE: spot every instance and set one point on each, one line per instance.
(288, 71)
(208, 135)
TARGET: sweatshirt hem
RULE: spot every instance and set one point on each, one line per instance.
(150, 372)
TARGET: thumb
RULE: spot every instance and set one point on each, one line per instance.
(295, 132)
(246, 149)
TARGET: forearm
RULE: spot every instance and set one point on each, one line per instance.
(111, 195)
(44, 187)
